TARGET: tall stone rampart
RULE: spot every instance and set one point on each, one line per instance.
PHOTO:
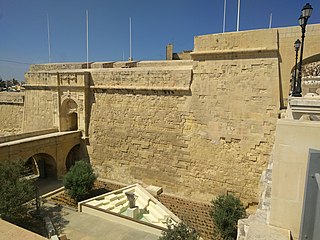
(205, 129)
(197, 128)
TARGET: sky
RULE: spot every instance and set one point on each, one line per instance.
(155, 23)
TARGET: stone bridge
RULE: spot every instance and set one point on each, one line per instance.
(52, 152)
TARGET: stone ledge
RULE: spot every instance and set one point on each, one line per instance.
(234, 54)
(141, 88)
(307, 105)
(246, 50)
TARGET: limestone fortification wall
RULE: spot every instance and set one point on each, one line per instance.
(215, 138)
(11, 112)
(196, 128)
(204, 129)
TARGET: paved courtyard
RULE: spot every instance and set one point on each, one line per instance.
(82, 226)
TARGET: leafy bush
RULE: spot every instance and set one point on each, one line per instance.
(226, 211)
(15, 190)
(79, 180)
(179, 232)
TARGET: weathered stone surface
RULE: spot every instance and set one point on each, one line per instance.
(11, 113)
(196, 128)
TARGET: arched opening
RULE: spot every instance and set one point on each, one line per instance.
(31, 168)
(310, 75)
(73, 156)
(42, 164)
(308, 60)
(69, 115)
(73, 118)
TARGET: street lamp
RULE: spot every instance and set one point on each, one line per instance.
(303, 20)
(297, 44)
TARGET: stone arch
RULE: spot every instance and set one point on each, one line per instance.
(73, 156)
(42, 164)
(69, 115)
(308, 60)
(310, 74)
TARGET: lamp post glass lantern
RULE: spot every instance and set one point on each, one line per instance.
(306, 10)
(303, 21)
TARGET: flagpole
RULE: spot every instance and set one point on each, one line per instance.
(224, 16)
(49, 44)
(270, 21)
(130, 58)
(238, 18)
(87, 37)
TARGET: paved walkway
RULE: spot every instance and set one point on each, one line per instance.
(47, 185)
(82, 226)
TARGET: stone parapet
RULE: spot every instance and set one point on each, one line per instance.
(232, 41)
(12, 98)
(58, 66)
(26, 135)
(161, 77)
(307, 107)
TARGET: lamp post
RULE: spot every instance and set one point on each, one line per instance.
(297, 44)
(303, 20)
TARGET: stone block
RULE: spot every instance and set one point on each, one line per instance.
(154, 190)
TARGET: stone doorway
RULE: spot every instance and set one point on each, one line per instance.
(69, 116)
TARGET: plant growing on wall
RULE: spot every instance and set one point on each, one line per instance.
(79, 180)
(15, 190)
(225, 212)
(179, 232)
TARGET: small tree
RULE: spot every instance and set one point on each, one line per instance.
(15, 190)
(226, 211)
(179, 232)
(79, 180)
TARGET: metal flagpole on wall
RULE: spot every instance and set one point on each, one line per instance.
(87, 34)
(270, 21)
(49, 44)
(238, 18)
(224, 16)
(130, 58)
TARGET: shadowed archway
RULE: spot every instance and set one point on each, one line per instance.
(74, 155)
(42, 164)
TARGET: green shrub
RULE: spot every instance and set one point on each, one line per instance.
(179, 232)
(15, 190)
(226, 211)
(79, 180)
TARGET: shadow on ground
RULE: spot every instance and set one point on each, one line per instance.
(57, 216)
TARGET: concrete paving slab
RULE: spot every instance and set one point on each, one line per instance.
(267, 232)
